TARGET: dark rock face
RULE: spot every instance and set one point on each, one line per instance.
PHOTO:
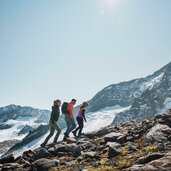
(5, 145)
(115, 137)
(26, 129)
(113, 152)
(41, 130)
(42, 153)
(149, 158)
(72, 149)
(4, 126)
(117, 94)
(152, 99)
(8, 159)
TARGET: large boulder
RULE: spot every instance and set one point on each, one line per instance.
(7, 159)
(73, 149)
(99, 133)
(44, 164)
(114, 137)
(158, 133)
(42, 153)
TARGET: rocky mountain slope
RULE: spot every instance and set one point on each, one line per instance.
(147, 96)
(155, 99)
(134, 146)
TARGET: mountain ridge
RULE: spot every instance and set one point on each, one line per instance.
(128, 93)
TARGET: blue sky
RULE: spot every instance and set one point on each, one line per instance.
(72, 49)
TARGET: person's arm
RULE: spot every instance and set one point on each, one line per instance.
(83, 113)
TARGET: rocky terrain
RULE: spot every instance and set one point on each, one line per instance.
(133, 146)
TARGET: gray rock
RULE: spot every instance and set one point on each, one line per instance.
(7, 159)
(42, 153)
(92, 155)
(149, 158)
(99, 133)
(73, 149)
(28, 155)
(71, 140)
(44, 164)
(112, 137)
(114, 144)
(131, 147)
(113, 152)
(121, 139)
(162, 164)
(22, 161)
(10, 166)
(130, 138)
(158, 133)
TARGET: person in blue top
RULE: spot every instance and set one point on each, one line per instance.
(80, 119)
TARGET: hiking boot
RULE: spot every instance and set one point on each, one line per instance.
(42, 145)
(66, 135)
(65, 138)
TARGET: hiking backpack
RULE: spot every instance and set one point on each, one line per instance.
(64, 108)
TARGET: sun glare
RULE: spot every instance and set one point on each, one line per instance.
(110, 5)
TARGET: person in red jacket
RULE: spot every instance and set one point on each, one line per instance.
(69, 118)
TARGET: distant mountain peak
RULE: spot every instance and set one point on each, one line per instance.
(144, 95)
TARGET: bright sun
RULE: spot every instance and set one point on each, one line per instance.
(110, 4)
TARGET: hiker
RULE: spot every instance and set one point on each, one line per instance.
(80, 119)
(53, 123)
(69, 118)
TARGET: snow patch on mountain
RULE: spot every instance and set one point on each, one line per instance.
(167, 105)
(154, 81)
(102, 118)
(12, 133)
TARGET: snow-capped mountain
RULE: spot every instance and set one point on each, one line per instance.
(16, 112)
(154, 99)
(147, 96)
